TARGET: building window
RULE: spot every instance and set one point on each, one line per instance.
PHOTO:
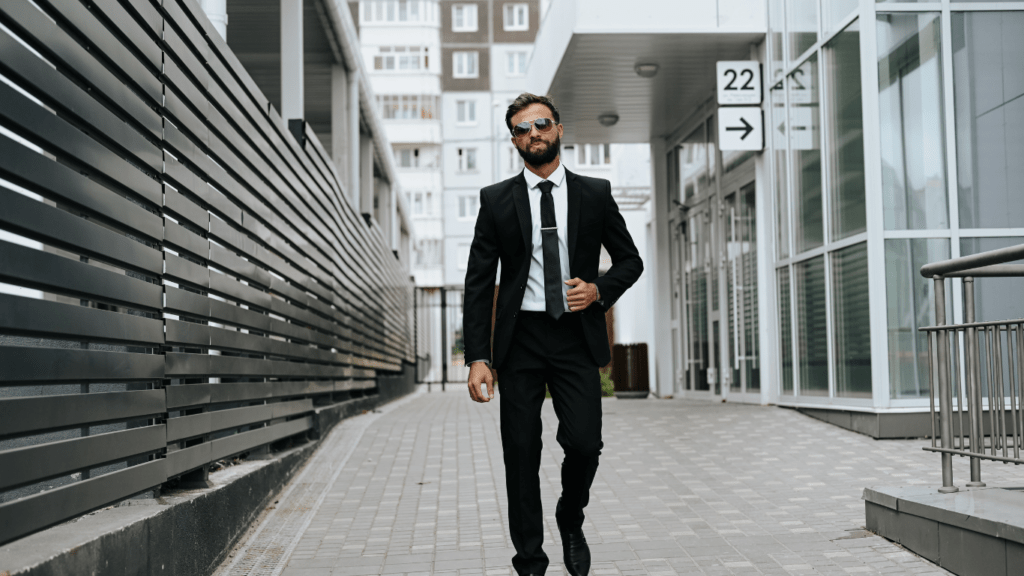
(845, 133)
(515, 64)
(401, 58)
(408, 106)
(464, 65)
(517, 17)
(409, 158)
(398, 11)
(468, 207)
(464, 18)
(428, 252)
(785, 333)
(465, 111)
(467, 159)
(909, 306)
(514, 163)
(911, 112)
(422, 203)
(851, 332)
(811, 326)
(593, 155)
(805, 156)
(462, 256)
(802, 25)
(989, 117)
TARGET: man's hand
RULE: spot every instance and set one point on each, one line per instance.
(480, 373)
(582, 295)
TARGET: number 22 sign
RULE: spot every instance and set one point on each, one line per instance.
(739, 82)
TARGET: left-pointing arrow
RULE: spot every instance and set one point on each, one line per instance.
(746, 128)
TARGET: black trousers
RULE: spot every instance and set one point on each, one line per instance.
(546, 351)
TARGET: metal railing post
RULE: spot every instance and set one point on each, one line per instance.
(444, 339)
(945, 399)
(973, 381)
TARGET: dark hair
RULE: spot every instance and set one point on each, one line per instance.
(523, 101)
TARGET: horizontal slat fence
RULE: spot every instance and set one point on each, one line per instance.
(180, 280)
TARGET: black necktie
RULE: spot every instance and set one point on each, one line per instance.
(549, 243)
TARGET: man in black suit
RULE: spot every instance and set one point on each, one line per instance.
(546, 227)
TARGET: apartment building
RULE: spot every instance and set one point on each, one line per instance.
(400, 45)
(486, 46)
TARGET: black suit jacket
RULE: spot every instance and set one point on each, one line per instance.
(503, 233)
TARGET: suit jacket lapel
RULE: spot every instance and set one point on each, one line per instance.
(522, 202)
(574, 192)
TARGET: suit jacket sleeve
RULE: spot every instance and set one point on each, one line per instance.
(626, 262)
(481, 272)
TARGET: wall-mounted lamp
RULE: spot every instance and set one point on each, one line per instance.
(648, 70)
(608, 119)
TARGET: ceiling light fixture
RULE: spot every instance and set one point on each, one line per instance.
(608, 119)
(648, 70)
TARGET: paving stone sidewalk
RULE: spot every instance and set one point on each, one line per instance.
(684, 487)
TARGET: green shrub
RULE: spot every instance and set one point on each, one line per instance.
(607, 387)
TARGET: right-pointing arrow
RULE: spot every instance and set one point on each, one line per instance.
(746, 128)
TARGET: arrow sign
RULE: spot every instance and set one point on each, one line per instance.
(740, 128)
(746, 128)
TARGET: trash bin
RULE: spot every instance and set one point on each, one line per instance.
(629, 370)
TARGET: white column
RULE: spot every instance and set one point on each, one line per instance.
(354, 147)
(366, 175)
(767, 299)
(394, 222)
(661, 272)
(292, 98)
(874, 207)
(340, 144)
(217, 12)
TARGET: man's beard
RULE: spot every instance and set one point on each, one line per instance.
(540, 158)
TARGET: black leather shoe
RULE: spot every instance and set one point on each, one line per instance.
(575, 551)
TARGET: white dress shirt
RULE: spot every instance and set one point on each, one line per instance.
(534, 299)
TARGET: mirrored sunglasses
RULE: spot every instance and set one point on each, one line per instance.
(542, 124)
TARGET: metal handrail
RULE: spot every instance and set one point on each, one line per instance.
(947, 377)
(980, 260)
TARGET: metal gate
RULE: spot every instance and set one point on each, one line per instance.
(440, 348)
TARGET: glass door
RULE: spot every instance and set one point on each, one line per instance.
(739, 224)
(699, 288)
(677, 246)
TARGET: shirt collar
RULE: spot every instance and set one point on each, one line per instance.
(555, 178)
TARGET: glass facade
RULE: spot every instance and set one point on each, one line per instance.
(911, 113)
(811, 326)
(845, 133)
(988, 78)
(851, 342)
(909, 306)
(805, 150)
(940, 178)
(895, 138)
